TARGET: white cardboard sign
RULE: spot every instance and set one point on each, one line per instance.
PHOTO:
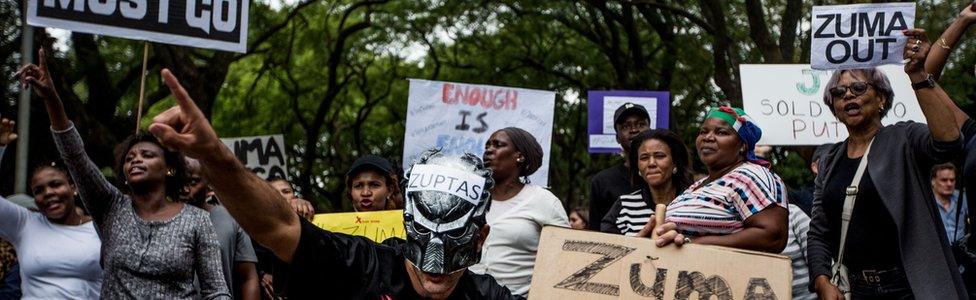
(214, 24)
(786, 101)
(859, 35)
(264, 155)
(458, 118)
(447, 180)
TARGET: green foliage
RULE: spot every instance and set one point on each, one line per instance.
(332, 76)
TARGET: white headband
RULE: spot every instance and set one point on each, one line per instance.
(466, 185)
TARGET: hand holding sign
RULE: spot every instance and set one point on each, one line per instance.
(916, 50)
(968, 13)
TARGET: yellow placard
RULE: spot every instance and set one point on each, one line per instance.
(375, 225)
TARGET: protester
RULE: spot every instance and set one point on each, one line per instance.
(741, 203)
(578, 218)
(518, 211)
(803, 197)
(301, 206)
(236, 253)
(662, 169)
(952, 208)
(934, 63)
(796, 249)
(441, 242)
(371, 184)
(153, 247)
(47, 271)
(608, 185)
(895, 247)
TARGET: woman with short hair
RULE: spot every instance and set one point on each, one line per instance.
(518, 209)
(895, 246)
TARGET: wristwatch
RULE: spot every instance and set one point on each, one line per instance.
(928, 82)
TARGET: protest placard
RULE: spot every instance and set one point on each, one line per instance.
(575, 264)
(375, 225)
(601, 106)
(459, 118)
(859, 35)
(787, 102)
(264, 155)
(214, 24)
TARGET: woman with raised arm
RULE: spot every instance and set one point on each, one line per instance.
(895, 246)
(49, 272)
(153, 246)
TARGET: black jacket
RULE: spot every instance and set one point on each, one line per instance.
(900, 160)
(331, 265)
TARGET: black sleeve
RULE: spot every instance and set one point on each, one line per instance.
(340, 266)
(968, 130)
(926, 147)
(818, 250)
(608, 223)
(490, 289)
(596, 209)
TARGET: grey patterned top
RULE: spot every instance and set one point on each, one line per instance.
(144, 259)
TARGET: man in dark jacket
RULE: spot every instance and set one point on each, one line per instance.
(607, 185)
(446, 200)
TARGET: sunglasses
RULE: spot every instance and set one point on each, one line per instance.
(856, 88)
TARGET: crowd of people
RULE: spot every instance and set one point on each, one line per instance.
(188, 221)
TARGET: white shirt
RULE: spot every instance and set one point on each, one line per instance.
(516, 223)
(56, 261)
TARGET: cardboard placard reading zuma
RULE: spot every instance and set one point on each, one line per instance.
(574, 264)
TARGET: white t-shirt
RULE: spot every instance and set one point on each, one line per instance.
(509, 252)
(56, 261)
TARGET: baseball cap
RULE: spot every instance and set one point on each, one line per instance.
(371, 161)
(627, 109)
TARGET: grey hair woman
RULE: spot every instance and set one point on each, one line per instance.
(895, 248)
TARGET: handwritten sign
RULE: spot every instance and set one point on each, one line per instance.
(859, 35)
(264, 155)
(459, 118)
(601, 105)
(786, 101)
(214, 24)
(574, 264)
(466, 185)
(375, 225)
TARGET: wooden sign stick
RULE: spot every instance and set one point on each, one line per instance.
(659, 211)
(142, 85)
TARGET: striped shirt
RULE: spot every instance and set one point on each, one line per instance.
(796, 249)
(634, 213)
(720, 207)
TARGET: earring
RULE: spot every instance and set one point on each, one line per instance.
(169, 173)
(674, 171)
(520, 160)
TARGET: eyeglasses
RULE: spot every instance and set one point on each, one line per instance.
(632, 125)
(856, 88)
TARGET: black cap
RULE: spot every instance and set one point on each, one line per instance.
(628, 109)
(371, 161)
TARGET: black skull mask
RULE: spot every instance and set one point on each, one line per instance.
(446, 200)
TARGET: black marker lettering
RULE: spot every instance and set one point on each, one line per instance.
(579, 281)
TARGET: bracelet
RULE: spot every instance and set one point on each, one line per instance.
(943, 44)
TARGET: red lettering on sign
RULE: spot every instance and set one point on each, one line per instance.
(488, 98)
